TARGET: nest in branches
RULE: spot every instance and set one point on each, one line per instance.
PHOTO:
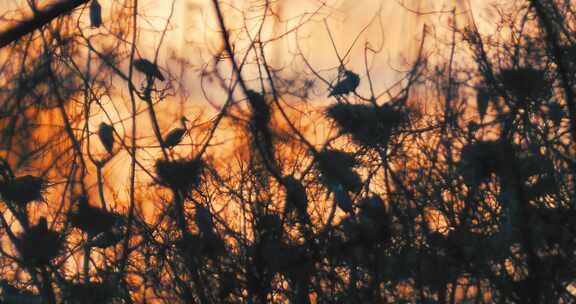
(337, 168)
(181, 175)
(23, 189)
(90, 293)
(368, 125)
(93, 220)
(526, 84)
(479, 160)
(39, 245)
(192, 246)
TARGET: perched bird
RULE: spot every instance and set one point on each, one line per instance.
(345, 86)
(203, 219)
(106, 135)
(482, 101)
(150, 69)
(296, 198)
(175, 136)
(95, 14)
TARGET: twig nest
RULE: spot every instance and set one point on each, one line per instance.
(181, 175)
(337, 168)
(368, 125)
(480, 159)
(90, 293)
(92, 220)
(193, 246)
(23, 189)
(39, 245)
(526, 84)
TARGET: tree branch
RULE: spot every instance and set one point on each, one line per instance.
(40, 19)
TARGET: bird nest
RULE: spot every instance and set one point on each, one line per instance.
(337, 168)
(192, 246)
(39, 245)
(181, 175)
(479, 160)
(23, 189)
(93, 220)
(526, 83)
(368, 125)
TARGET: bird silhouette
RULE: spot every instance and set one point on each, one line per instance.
(175, 136)
(203, 219)
(95, 14)
(345, 86)
(296, 198)
(148, 68)
(106, 135)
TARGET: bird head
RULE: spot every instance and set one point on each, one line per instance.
(350, 74)
(183, 121)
